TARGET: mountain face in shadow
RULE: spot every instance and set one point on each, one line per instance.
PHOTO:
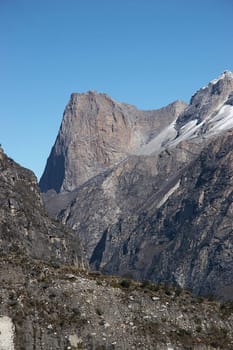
(26, 229)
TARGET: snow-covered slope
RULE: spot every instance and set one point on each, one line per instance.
(223, 120)
(161, 140)
(209, 113)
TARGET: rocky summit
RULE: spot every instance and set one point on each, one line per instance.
(149, 193)
(96, 133)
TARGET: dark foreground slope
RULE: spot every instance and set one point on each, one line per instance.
(48, 302)
(43, 307)
(25, 226)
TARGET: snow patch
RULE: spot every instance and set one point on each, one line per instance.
(208, 127)
(159, 141)
(213, 124)
(222, 121)
(185, 128)
(226, 74)
(7, 330)
(214, 81)
(168, 194)
(187, 132)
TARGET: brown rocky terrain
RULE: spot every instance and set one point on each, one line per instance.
(43, 307)
(49, 301)
(25, 226)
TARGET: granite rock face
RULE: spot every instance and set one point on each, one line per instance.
(163, 212)
(96, 133)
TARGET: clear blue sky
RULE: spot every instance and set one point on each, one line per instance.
(144, 52)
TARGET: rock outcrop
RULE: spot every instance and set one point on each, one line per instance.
(163, 212)
(96, 133)
(25, 227)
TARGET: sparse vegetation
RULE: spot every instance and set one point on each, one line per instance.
(53, 300)
(125, 283)
(226, 309)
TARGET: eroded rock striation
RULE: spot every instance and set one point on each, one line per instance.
(96, 133)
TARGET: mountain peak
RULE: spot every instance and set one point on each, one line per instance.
(96, 133)
(227, 74)
(88, 93)
(90, 97)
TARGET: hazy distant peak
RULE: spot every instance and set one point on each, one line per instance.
(178, 105)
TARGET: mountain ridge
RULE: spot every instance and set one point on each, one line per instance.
(96, 133)
(165, 216)
(114, 212)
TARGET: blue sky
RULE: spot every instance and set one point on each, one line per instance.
(144, 52)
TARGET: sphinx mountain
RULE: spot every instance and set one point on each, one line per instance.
(149, 192)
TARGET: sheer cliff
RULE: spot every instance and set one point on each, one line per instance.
(96, 133)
